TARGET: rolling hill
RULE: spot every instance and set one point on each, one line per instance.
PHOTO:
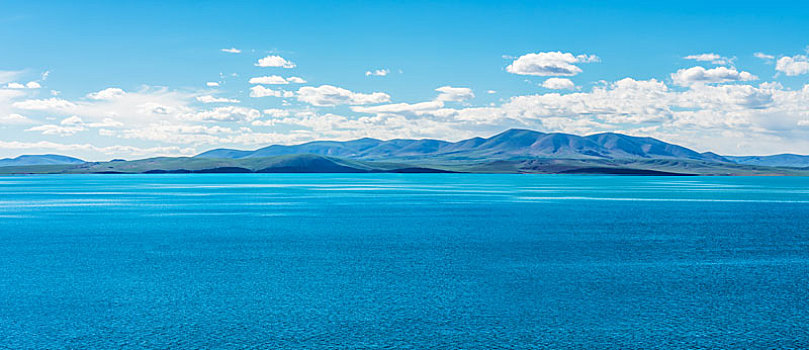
(45, 159)
(513, 151)
(782, 160)
(511, 144)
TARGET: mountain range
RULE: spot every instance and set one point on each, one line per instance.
(513, 151)
(512, 144)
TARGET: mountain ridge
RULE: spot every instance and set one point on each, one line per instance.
(511, 151)
(42, 159)
(510, 144)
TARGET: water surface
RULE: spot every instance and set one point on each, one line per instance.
(403, 260)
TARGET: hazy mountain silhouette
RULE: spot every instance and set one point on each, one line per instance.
(45, 159)
(511, 144)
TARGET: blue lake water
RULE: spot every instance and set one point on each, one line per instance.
(403, 261)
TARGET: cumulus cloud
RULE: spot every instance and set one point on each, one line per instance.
(558, 84)
(212, 99)
(276, 112)
(260, 91)
(454, 94)
(211, 84)
(328, 95)
(232, 50)
(28, 85)
(52, 103)
(107, 94)
(549, 64)
(133, 108)
(276, 80)
(700, 75)
(377, 72)
(275, 61)
(67, 127)
(269, 80)
(224, 114)
(791, 66)
(106, 123)
(709, 57)
(403, 108)
(15, 119)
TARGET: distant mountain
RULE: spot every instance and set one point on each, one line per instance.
(514, 151)
(297, 163)
(781, 160)
(46, 159)
(311, 163)
(511, 144)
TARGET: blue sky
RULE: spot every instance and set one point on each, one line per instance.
(131, 79)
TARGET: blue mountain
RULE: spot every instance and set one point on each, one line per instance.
(511, 144)
(45, 159)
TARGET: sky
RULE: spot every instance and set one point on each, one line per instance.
(133, 79)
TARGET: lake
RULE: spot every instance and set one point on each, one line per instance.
(403, 261)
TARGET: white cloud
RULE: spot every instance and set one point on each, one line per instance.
(224, 114)
(327, 95)
(700, 75)
(269, 80)
(260, 91)
(491, 92)
(558, 84)
(67, 127)
(764, 56)
(15, 119)
(179, 133)
(106, 123)
(276, 80)
(377, 72)
(549, 64)
(276, 112)
(107, 94)
(709, 57)
(403, 108)
(212, 84)
(232, 50)
(455, 94)
(72, 121)
(28, 85)
(212, 99)
(275, 61)
(45, 104)
(791, 66)
(131, 108)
